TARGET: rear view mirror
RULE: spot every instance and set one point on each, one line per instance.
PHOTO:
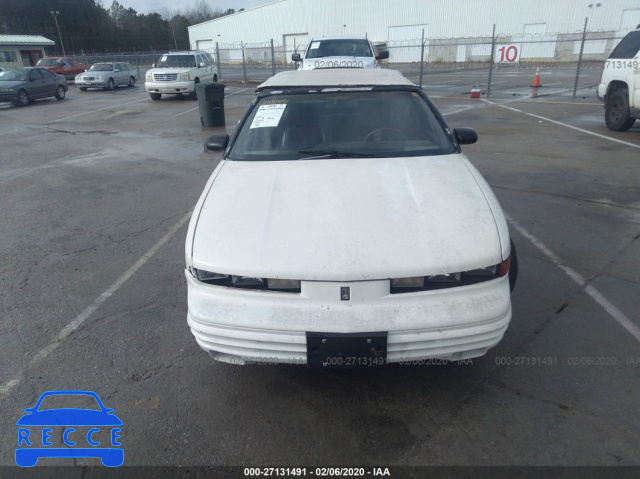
(465, 136)
(296, 57)
(217, 142)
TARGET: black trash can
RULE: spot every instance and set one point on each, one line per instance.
(211, 103)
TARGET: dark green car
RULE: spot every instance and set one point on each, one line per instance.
(23, 85)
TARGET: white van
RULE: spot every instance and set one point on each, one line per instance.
(339, 52)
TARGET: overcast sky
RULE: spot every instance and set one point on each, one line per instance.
(159, 6)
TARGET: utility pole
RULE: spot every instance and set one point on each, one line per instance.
(55, 17)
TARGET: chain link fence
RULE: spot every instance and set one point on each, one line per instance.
(568, 62)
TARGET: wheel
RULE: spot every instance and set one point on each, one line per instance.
(132, 82)
(155, 96)
(617, 115)
(82, 88)
(60, 92)
(193, 95)
(513, 268)
(111, 85)
(385, 134)
(23, 98)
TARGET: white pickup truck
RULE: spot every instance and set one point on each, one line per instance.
(339, 52)
(177, 73)
(619, 86)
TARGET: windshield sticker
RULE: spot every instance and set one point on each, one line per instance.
(163, 58)
(268, 115)
(315, 45)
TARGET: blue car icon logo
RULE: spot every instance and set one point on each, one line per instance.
(92, 430)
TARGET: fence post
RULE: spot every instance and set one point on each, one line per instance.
(584, 36)
(493, 50)
(421, 57)
(219, 64)
(273, 59)
(244, 64)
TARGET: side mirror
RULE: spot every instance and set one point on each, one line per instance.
(217, 142)
(153, 65)
(200, 65)
(465, 136)
(296, 57)
(382, 56)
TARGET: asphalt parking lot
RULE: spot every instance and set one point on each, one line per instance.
(96, 192)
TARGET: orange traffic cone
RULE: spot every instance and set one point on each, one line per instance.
(536, 78)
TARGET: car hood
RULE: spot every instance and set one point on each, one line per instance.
(347, 219)
(11, 84)
(170, 70)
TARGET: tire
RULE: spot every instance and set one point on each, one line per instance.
(193, 95)
(60, 93)
(617, 114)
(111, 85)
(155, 96)
(82, 88)
(132, 82)
(513, 268)
(23, 98)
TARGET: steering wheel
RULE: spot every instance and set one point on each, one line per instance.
(385, 134)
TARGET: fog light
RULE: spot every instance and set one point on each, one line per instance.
(415, 282)
(445, 278)
(286, 284)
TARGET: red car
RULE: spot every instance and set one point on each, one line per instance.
(63, 66)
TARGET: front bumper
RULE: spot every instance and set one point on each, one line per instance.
(239, 326)
(170, 88)
(92, 83)
(9, 96)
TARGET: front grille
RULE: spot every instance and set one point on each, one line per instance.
(165, 76)
(88, 78)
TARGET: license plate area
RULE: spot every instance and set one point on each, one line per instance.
(346, 350)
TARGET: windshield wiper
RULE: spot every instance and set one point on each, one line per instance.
(326, 154)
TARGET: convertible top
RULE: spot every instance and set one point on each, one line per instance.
(336, 77)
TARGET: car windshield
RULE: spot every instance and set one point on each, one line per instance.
(181, 61)
(339, 48)
(13, 75)
(101, 67)
(48, 62)
(340, 124)
(66, 401)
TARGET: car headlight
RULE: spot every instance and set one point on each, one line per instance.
(6, 90)
(148, 77)
(449, 280)
(184, 76)
(236, 281)
(100, 78)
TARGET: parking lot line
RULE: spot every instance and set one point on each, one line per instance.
(94, 111)
(615, 140)
(192, 109)
(596, 295)
(84, 315)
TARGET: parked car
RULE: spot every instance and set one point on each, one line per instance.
(63, 66)
(108, 76)
(344, 227)
(340, 52)
(23, 85)
(177, 73)
(619, 86)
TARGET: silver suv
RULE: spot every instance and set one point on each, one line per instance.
(177, 73)
(619, 86)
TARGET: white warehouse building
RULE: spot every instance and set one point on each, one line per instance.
(454, 30)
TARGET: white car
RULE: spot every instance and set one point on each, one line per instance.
(177, 73)
(619, 86)
(343, 227)
(339, 52)
(107, 75)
